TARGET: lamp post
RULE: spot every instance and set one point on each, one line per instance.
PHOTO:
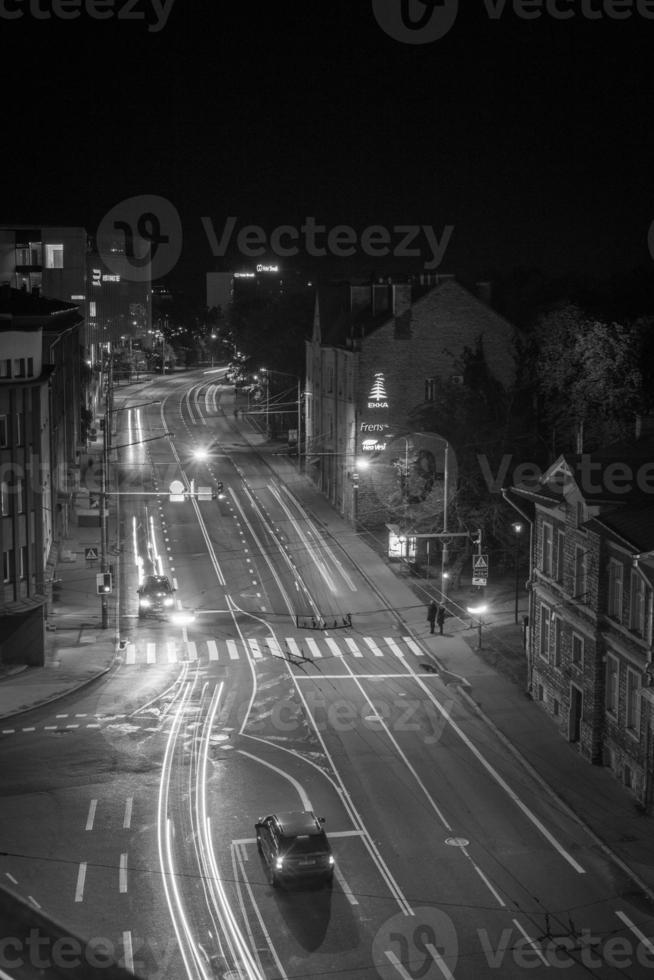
(478, 611)
(517, 527)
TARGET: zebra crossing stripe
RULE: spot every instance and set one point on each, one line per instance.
(373, 646)
(130, 654)
(333, 646)
(172, 652)
(413, 646)
(293, 648)
(213, 649)
(232, 649)
(192, 650)
(151, 653)
(314, 649)
(254, 647)
(353, 647)
(274, 647)
(394, 647)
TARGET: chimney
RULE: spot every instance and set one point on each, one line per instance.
(401, 298)
(485, 292)
(359, 298)
(380, 298)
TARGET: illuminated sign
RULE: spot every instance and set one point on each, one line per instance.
(378, 397)
(373, 427)
(244, 275)
(267, 268)
(96, 277)
(373, 446)
(108, 278)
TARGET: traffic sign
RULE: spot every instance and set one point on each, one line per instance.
(91, 554)
(480, 569)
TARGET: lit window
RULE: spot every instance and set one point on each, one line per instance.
(4, 498)
(615, 591)
(54, 256)
(633, 701)
(92, 308)
(7, 565)
(611, 685)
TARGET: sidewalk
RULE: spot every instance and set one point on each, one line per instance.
(492, 680)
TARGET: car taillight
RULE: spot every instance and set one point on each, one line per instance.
(279, 864)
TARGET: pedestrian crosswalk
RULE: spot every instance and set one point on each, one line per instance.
(290, 648)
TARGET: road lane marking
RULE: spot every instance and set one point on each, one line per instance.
(192, 650)
(373, 646)
(172, 652)
(151, 654)
(81, 877)
(393, 646)
(129, 955)
(294, 648)
(274, 647)
(314, 649)
(353, 647)
(232, 649)
(130, 654)
(254, 648)
(347, 891)
(91, 815)
(213, 649)
(334, 647)
(532, 942)
(413, 646)
(647, 943)
(122, 873)
(127, 819)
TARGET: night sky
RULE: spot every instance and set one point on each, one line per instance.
(532, 138)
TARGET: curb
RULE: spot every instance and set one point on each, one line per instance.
(61, 694)
(560, 801)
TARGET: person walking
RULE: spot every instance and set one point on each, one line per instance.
(440, 619)
(432, 610)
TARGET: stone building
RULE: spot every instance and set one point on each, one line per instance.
(590, 635)
(378, 352)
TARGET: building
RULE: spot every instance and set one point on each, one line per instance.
(379, 351)
(590, 622)
(260, 280)
(39, 458)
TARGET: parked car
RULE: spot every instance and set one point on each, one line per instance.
(294, 847)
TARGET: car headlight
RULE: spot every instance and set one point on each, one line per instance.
(279, 864)
(331, 859)
(144, 602)
(168, 602)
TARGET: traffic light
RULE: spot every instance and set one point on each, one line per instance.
(477, 539)
(103, 583)
(220, 489)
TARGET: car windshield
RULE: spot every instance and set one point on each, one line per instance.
(305, 844)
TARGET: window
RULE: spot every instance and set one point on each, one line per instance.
(23, 561)
(545, 632)
(20, 496)
(430, 389)
(30, 367)
(19, 428)
(4, 498)
(330, 379)
(557, 623)
(614, 598)
(92, 308)
(633, 702)
(612, 685)
(5, 367)
(577, 650)
(637, 604)
(7, 566)
(547, 548)
(560, 555)
(19, 367)
(581, 513)
(579, 587)
(3, 430)
(54, 256)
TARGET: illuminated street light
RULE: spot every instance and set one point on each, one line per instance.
(479, 612)
(517, 527)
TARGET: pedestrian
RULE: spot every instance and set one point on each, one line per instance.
(440, 618)
(431, 614)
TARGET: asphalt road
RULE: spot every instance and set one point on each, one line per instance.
(129, 808)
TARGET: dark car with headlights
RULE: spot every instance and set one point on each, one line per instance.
(295, 848)
(155, 596)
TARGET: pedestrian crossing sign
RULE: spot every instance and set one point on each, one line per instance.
(91, 554)
(480, 569)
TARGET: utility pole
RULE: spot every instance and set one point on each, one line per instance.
(445, 552)
(104, 530)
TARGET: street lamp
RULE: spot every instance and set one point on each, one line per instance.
(517, 527)
(478, 611)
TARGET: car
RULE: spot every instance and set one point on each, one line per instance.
(155, 595)
(295, 848)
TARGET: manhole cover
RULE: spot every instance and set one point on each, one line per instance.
(457, 842)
